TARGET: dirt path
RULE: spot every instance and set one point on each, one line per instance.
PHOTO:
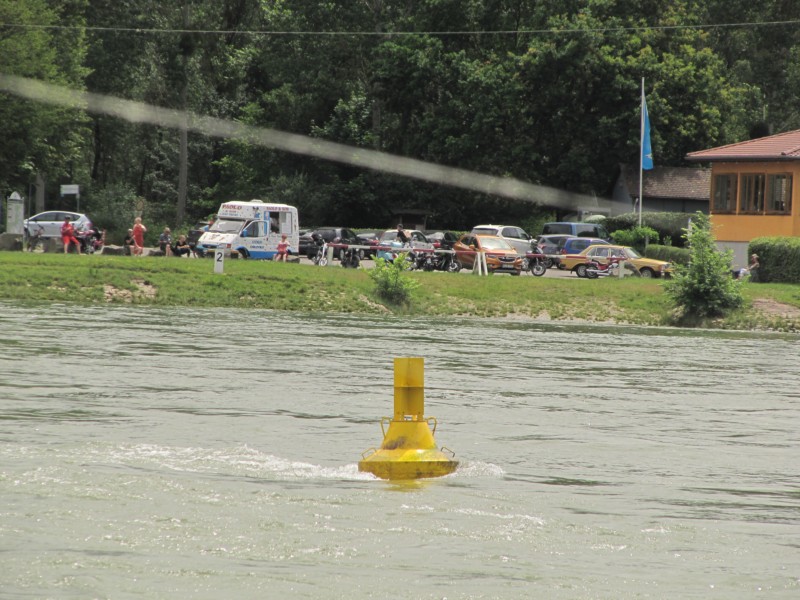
(772, 308)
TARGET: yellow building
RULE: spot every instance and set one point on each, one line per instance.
(752, 186)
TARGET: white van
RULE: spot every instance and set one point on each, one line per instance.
(252, 229)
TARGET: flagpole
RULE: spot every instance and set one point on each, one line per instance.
(641, 153)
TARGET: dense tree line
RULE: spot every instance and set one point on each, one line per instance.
(546, 91)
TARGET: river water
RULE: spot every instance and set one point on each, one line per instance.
(152, 453)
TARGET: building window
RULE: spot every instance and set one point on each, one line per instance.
(753, 188)
(724, 197)
(779, 193)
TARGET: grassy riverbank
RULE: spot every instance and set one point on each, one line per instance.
(253, 284)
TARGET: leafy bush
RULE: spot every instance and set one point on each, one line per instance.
(704, 288)
(391, 282)
(638, 237)
(669, 226)
(671, 254)
(778, 257)
(113, 208)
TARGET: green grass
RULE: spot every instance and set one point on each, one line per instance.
(286, 286)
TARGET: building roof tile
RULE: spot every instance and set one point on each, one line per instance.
(670, 182)
(781, 146)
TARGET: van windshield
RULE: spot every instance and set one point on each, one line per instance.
(552, 228)
(576, 229)
(591, 230)
(227, 226)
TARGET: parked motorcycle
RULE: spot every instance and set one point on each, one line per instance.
(537, 262)
(446, 261)
(435, 261)
(350, 258)
(91, 239)
(594, 269)
(320, 256)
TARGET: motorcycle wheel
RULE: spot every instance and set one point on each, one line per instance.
(453, 266)
(537, 268)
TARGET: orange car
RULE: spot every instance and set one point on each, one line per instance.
(500, 255)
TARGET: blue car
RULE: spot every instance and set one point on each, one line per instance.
(574, 245)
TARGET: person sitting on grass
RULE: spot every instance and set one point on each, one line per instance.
(165, 242)
(283, 248)
(127, 243)
(182, 247)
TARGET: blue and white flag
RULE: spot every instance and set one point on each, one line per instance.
(647, 149)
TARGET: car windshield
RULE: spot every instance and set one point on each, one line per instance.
(492, 243)
(388, 236)
(222, 226)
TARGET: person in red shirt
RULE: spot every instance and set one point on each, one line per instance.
(138, 236)
(68, 236)
(283, 248)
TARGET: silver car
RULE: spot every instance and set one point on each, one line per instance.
(416, 238)
(516, 236)
(48, 224)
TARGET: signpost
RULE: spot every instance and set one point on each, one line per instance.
(72, 189)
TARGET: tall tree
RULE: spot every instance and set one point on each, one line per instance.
(38, 139)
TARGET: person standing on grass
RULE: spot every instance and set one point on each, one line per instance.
(753, 267)
(138, 236)
(68, 236)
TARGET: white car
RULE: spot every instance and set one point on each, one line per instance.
(516, 236)
(417, 238)
(48, 224)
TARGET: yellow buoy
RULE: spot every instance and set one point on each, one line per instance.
(408, 450)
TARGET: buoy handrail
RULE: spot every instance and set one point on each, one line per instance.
(385, 420)
(371, 451)
(446, 449)
(435, 423)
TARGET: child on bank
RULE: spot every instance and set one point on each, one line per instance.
(283, 248)
(68, 236)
